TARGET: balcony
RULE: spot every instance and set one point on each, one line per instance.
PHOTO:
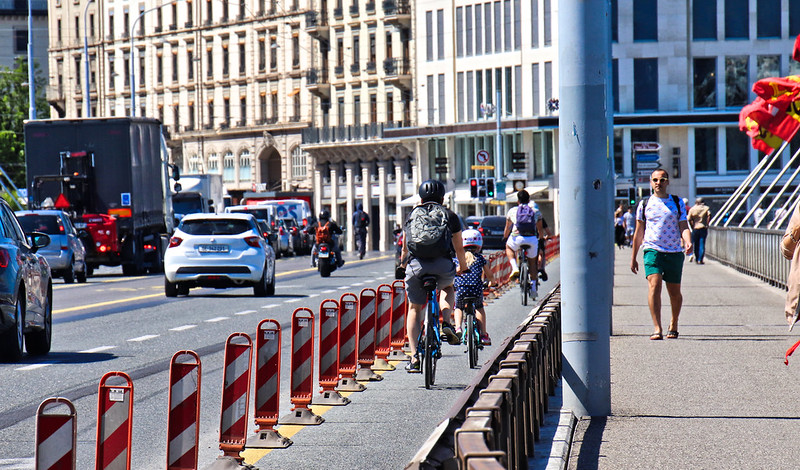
(317, 82)
(355, 69)
(372, 67)
(370, 8)
(338, 13)
(317, 25)
(321, 135)
(398, 72)
(188, 24)
(354, 10)
(398, 12)
(339, 71)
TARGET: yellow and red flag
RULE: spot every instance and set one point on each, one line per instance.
(769, 125)
(778, 88)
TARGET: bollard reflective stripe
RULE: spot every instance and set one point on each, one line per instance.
(184, 411)
(114, 423)
(366, 327)
(399, 305)
(328, 344)
(348, 334)
(268, 373)
(55, 436)
(301, 369)
(235, 394)
(383, 323)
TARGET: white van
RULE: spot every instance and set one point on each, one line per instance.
(298, 209)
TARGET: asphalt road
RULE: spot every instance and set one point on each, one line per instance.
(116, 323)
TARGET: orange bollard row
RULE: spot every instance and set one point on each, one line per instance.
(301, 370)
(267, 387)
(114, 423)
(184, 410)
(348, 344)
(399, 310)
(366, 336)
(383, 329)
(329, 355)
(56, 436)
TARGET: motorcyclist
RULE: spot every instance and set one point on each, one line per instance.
(324, 220)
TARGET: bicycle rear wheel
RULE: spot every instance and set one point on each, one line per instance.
(429, 364)
(472, 338)
(524, 282)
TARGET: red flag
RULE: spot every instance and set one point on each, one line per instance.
(760, 124)
(774, 88)
(796, 52)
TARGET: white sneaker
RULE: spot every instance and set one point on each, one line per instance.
(514, 275)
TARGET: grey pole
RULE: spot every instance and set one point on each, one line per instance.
(586, 204)
(86, 100)
(31, 77)
(498, 112)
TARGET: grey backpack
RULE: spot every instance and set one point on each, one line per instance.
(428, 234)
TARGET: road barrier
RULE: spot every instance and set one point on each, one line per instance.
(329, 355)
(56, 436)
(383, 329)
(348, 344)
(267, 387)
(114, 423)
(366, 336)
(301, 371)
(183, 421)
(496, 421)
(399, 311)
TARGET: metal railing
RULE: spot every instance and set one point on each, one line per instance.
(496, 420)
(319, 135)
(755, 252)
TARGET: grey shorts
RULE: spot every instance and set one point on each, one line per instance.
(443, 268)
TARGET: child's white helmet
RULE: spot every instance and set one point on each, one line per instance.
(472, 237)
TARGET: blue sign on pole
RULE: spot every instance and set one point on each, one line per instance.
(647, 157)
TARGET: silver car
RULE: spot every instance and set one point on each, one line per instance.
(65, 253)
(219, 251)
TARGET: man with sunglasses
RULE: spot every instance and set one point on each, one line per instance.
(660, 227)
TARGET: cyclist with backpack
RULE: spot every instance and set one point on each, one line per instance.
(523, 224)
(432, 238)
(326, 230)
(361, 223)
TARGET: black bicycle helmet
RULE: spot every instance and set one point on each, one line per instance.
(324, 215)
(432, 191)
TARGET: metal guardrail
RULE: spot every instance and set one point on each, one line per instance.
(496, 420)
(755, 252)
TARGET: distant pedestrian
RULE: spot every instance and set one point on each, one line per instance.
(361, 224)
(630, 225)
(698, 218)
(619, 227)
(660, 226)
(789, 243)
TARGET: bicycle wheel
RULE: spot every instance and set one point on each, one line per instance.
(429, 364)
(472, 338)
(524, 282)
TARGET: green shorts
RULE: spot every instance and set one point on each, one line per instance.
(668, 265)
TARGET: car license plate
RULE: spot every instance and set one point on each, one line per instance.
(213, 248)
(79, 225)
(324, 254)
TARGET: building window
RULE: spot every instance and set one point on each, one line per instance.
(245, 166)
(537, 96)
(459, 32)
(460, 96)
(175, 65)
(498, 28)
(478, 29)
(768, 18)
(262, 53)
(299, 163)
(507, 25)
(159, 66)
(20, 41)
(705, 149)
(373, 108)
(487, 28)
(356, 111)
(547, 18)
(645, 84)
(213, 164)
(273, 48)
(737, 150)
(768, 66)
(618, 158)
(736, 19)
(210, 62)
(429, 36)
(389, 107)
(210, 114)
(442, 95)
(190, 63)
(645, 23)
(295, 48)
(229, 168)
(614, 21)
(470, 96)
(705, 82)
(794, 18)
(439, 34)
(226, 59)
(704, 19)
(517, 25)
(615, 83)
(242, 110)
(548, 81)
(736, 80)
(468, 29)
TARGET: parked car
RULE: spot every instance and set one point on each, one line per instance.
(492, 227)
(473, 222)
(270, 235)
(219, 251)
(26, 290)
(301, 241)
(266, 215)
(65, 253)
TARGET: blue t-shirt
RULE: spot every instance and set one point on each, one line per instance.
(470, 283)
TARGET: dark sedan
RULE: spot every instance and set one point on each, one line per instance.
(491, 228)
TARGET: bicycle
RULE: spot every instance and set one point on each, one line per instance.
(525, 282)
(472, 335)
(429, 345)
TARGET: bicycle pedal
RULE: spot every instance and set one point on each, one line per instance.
(438, 355)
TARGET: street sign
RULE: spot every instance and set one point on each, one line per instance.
(648, 165)
(647, 157)
(517, 175)
(645, 172)
(482, 167)
(643, 179)
(482, 157)
(646, 146)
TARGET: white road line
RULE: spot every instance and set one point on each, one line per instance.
(144, 338)
(329, 291)
(17, 464)
(345, 287)
(245, 312)
(183, 328)
(216, 319)
(97, 349)
(292, 301)
(313, 295)
(269, 306)
(359, 283)
(34, 366)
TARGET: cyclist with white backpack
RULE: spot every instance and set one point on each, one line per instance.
(432, 239)
(523, 224)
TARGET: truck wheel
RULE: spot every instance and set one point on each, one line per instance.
(130, 270)
(69, 274)
(170, 288)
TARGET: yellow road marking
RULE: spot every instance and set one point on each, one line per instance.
(110, 302)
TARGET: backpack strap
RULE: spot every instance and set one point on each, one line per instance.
(675, 199)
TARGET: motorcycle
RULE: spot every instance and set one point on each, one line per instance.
(326, 260)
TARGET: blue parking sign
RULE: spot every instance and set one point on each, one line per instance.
(125, 199)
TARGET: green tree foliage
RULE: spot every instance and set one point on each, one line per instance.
(13, 112)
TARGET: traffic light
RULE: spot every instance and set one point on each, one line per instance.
(518, 162)
(440, 165)
(481, 187)
(490, 187)
(631, 196)
(473, 187)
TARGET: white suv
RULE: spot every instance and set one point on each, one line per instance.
(219, 251)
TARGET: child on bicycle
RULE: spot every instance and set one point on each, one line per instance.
(470, 283)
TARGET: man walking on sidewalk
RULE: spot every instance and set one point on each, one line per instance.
(660, 226)
(361, 223)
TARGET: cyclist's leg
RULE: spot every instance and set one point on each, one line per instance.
(511, 253)
(480, 316)
(413, 321)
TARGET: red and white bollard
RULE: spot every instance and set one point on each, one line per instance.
(329, 355)
(267, 387)
(235, 401)
(302, 369)
(55, 436)
(184, 411)
(348, 344)
(114, 423)
(383, 328)
(366, 336)
(399, 307)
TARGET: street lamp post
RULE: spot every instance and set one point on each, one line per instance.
(86, 100)
(133, 61)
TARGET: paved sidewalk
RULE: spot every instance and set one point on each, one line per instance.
(719, 396)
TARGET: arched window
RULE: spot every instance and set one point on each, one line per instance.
(213, 164)
(244, 166)
(229, 168)
(195, 164)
